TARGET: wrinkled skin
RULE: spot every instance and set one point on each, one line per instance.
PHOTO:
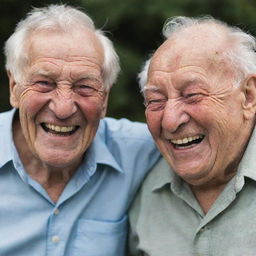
(190, 95)
(63, 88)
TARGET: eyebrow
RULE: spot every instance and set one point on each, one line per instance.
(48, 73)
(151, 88)
(97, 82)
(90, 78)
(192, 81)
(42, 72)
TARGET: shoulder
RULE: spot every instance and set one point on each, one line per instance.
(6, 135)
(159, 174)
(146, 198)
(6, 116)
(125, 129)
(6, 120)
(130, 144)
(145, 203)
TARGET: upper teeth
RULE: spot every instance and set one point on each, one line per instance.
(57, 128)
(187, 139)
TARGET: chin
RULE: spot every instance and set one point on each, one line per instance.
(196, 178)
(60, 161)
(191, 174)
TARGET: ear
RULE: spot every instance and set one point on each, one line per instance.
(13, 90)
(105, 104)
(249, 103)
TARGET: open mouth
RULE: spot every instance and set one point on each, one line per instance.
(187, 141)
(59, 130)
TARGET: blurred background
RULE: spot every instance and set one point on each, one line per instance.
(135, 28)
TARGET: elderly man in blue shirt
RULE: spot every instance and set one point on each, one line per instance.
(67, 174)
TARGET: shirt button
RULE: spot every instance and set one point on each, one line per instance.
(55, 239)
(56, 212)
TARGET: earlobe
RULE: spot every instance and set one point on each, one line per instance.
(249, 103)
(13, 90)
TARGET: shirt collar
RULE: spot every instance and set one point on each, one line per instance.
(247, 168)
(6, 137)
(164, 175)
(98, 153)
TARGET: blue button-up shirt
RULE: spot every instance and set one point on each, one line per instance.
(89, 218)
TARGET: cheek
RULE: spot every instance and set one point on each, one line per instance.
(31, 104)
(92, 109)
(207, 115)
(154, 120)
(219, 121)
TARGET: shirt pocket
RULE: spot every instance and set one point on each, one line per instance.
(100, 238)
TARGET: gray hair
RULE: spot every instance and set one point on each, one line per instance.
(56, 17)
(241, 55)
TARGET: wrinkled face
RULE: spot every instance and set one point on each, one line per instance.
(195, 114)
(61, 98)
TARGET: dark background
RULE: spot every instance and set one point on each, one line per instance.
(135, 28)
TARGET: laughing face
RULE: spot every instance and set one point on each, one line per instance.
(194, 113)
(61, 98)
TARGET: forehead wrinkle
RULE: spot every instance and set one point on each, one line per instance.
(209, 41)
(41, 68)
(73, 72)
(87, 61)
(194, 81)
(72, 62)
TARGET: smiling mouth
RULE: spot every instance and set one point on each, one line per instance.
(187, 141)
(59, 130)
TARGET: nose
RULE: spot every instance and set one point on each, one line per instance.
(174, 116)
(62, 106)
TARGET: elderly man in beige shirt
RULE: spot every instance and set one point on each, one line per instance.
(200, 97)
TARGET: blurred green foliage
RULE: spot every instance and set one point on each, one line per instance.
(135, 28)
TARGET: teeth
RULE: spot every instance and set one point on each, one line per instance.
(57, 128)
(186, 140)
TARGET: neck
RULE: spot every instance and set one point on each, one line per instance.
(52, 179)
(207, 196)
(207, 193)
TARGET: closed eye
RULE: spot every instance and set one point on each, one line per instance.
(85, 90)
(44, 85)
(155, 104)
(193, 97)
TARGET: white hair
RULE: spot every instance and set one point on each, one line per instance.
(240, 54)
(56, 17)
